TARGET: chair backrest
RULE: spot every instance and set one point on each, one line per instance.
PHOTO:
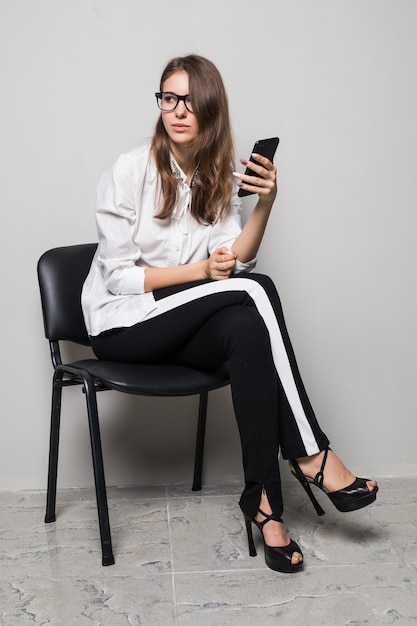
(61, 275)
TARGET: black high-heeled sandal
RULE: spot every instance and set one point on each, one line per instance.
(351, 498)
(278, 559)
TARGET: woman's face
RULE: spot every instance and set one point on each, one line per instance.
(181, 125)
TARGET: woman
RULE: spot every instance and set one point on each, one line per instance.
(172, 281)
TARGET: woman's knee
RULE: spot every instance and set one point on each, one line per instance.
(244, 323)
(265, 282)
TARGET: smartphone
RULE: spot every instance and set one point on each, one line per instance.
(266, 147)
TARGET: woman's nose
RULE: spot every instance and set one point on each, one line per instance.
(181, 109)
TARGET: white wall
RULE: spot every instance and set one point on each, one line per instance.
(336, 80)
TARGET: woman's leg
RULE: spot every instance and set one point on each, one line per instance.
(204, 333)
(239, 334)
(337, 476)
(300, 433)
(184, 309)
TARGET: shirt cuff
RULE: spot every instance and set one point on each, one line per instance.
(244, 267)
(130, 281)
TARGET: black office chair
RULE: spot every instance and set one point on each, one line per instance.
(61, 274)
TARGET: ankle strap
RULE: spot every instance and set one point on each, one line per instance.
(319, 478)
(268, 518)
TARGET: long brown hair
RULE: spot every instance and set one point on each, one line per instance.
(212, 152)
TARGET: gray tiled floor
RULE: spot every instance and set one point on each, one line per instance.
(181, 559)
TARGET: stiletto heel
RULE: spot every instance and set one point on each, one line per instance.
(251, 543)
(306, 484)
(351, 498)
(277, 558)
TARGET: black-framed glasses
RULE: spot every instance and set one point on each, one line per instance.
(168, 101)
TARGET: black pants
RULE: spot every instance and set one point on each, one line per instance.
(204, 323)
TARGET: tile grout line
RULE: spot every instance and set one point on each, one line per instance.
(174, 593)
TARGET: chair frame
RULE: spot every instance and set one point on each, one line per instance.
(88, 373)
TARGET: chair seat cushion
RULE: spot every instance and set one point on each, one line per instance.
(154, 380)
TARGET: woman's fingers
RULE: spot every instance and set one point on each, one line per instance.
(264, 161)
(221, 263)
(263, 181)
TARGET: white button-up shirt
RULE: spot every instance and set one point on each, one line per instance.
(132, 239)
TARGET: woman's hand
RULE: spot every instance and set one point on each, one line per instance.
(264, 183)
(220, 264)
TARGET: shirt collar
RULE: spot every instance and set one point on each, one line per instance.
(176, 170)
(179, 174)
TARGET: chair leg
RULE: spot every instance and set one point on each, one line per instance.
(199, 446)
(99, 479)
(50, 515)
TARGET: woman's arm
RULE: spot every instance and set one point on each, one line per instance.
(222, 261)
(217, 267)
(118, 254)
(264, 184)
(159, 277)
